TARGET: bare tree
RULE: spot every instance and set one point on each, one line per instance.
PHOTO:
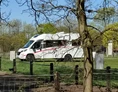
(3, 15)
(51, 10)
(87, 46)
(46, 9)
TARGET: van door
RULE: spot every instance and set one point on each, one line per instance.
(48, 49)
(37, 49)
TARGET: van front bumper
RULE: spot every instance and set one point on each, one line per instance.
(21, 56)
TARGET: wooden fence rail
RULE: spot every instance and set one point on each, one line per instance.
(56, 77)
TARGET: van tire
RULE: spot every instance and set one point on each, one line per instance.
(30, 57)
(68, 57)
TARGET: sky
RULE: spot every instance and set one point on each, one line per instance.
(17, 11)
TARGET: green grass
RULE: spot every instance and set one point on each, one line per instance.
(43, 67)
(112, 62)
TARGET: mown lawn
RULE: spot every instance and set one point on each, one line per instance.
(112, 62)
(42, 67)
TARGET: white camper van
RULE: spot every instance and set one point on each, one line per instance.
(58, 46)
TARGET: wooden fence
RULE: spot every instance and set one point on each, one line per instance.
(106, 75)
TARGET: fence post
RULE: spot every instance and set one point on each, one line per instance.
(57, 82)
(14, 65)
(0, 63)
(108, 78)
(31, 67)
(76, 75)
(51, 72)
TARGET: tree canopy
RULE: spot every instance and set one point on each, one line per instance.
(111, 33)
(47, 28)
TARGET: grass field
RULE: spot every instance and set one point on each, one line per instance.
(42, 67)
(112, 62)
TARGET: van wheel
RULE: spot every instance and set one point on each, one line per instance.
(30, 57)
(68, 57)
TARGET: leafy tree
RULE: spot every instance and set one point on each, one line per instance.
(15, 35)
(17, 41)
(94, 33)
(15, 26)
(47, 28)
(63, 28)
(28, 30)
(5, 40)
(12, 42)
(111, 33)
(107, 14)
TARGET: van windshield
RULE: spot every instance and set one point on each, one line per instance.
(28, 44)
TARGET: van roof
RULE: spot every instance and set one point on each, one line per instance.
(57, 36)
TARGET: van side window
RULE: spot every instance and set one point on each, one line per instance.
(62, 43)
(53, 43)
(37, 45)
(75, 43)
(49, 44)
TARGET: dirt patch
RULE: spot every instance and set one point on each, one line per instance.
(72, 88)
(63, 88)
(4, 73)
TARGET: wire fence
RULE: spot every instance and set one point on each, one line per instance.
(34, 83)
(23, 83)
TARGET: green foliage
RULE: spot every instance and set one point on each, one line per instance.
(105, 16)
(105, 13)
(47, 28)
(5, 41)
(15, 35)
(96, 39)
(63, 28)
(29, 30)
(111, 33)
(18, 41)
(12, 42)
(93, 33)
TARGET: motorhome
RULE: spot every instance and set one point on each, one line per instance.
(59, 46)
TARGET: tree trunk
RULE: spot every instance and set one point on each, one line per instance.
(87, 46)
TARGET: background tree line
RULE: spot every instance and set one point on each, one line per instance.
(15, 35)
